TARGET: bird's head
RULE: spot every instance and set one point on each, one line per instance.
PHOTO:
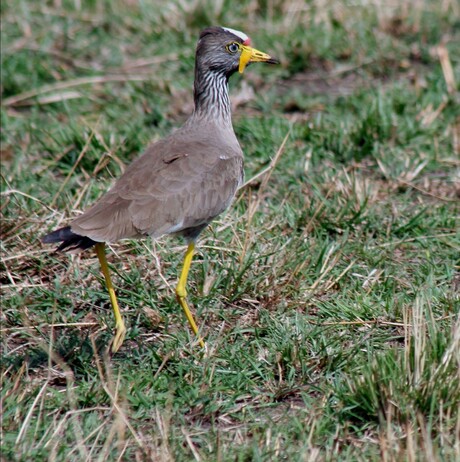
(226, 50)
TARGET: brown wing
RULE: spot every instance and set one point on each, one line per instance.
(176, 184)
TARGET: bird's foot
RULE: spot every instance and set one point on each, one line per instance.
(119, 336)
(188, 314)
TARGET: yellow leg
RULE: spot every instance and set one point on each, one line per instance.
(181, 291)
(119, 324)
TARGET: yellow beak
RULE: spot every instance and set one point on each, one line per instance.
(251, 55)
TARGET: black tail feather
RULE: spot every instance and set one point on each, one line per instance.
(70, 240)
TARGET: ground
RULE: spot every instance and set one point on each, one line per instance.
(328, 294)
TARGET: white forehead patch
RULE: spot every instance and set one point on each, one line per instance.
(238, 33)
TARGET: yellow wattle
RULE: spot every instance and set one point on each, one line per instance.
(244, 58)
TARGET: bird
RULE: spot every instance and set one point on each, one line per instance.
(180, 183)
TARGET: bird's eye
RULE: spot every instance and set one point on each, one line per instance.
(233, 47)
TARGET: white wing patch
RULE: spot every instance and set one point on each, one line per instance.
(238, 33)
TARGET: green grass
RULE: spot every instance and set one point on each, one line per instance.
(329, 292)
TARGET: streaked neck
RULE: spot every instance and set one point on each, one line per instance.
(211, 96)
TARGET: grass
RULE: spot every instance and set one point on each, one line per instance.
(328, 294)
